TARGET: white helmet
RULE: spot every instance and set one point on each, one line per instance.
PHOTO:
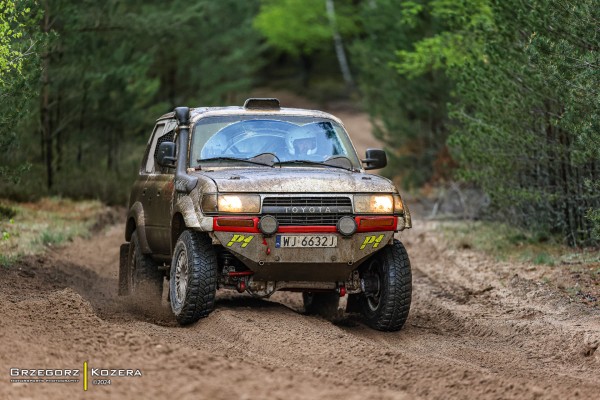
(214, 147)
(299, 135)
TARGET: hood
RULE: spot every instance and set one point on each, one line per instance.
(297, 180)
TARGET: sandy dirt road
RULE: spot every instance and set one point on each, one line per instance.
(478, 329)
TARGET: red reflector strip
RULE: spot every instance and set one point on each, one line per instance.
(366, 222)
(306, 229)
(236, 224)
(373, 224)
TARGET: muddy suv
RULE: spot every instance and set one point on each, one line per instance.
(258, 199)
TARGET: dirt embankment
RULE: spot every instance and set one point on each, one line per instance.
(477, 329)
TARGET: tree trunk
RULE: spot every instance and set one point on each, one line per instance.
(339, 46)
(46, 127)
(82, 124)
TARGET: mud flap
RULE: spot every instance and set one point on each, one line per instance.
(124, 288)
(353, 304)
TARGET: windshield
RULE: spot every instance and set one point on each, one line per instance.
(289, 138)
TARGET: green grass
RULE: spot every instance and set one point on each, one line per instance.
(507, 243)
(50, 237)
(32, 227)
(7, 261)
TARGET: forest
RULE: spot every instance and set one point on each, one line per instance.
(499, 95)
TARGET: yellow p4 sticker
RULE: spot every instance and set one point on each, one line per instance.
(244, 240)
(374, 240)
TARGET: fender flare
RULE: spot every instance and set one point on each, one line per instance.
(185, 207)
(136, 213)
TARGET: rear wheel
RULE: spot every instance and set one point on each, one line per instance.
(324, 304)
(146, 280)
(193, 277)
(388, 287)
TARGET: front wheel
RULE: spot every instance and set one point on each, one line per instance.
(388, 279)
(193, 277)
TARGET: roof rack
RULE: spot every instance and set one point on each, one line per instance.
(262, 104)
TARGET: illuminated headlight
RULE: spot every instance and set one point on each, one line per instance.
(398, 205)
(231, 203)
(374, 204)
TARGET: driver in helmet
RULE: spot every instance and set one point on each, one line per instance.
(301, 143)
(214, 147)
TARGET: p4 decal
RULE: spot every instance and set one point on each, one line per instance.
(373, 240)
(243, 240)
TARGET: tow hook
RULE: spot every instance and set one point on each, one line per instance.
(341, 291)
(241, 286)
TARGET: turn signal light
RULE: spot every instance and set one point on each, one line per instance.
(249, 222)
(370, 222)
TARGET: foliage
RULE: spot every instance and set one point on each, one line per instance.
(593, 215)
(301, 26)
(105, 71)
(447, 49)
(527, 104)
(13, 20)
(408, 112)
(19, 44)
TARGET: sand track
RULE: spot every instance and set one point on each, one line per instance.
(477, 329)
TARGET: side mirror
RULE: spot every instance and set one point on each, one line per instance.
(166, 155)
(376, 159)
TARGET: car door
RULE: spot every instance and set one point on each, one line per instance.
(159, 194)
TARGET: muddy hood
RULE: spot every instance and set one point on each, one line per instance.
(297, 180)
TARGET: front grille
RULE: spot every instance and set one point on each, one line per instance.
(303, 211)
(308, 219)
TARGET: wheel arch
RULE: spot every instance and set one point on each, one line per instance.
(136, 222)
(177, 227)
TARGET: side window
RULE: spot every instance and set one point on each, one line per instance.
(164, 131)
(168, 135)
(148, 165)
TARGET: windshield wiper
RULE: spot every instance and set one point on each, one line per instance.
(265, 156)
(247, 160)
(313, 163)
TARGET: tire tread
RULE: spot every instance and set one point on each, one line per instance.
(395, 310)
(202, 285)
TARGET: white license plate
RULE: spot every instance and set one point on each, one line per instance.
(305, 241)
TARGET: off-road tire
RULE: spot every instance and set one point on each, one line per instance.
(324, 304)
(146, 280)
(388, 311)
(195, 299)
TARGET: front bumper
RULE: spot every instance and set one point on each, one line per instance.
(326, 264)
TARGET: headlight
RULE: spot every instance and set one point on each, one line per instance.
(231, 203)
(374, 204)
(398, 204)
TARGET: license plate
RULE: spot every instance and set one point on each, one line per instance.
(305, 241)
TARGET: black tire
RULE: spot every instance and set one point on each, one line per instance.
(324, 304)
(193, 282)
(145, 279)
(387, 308)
